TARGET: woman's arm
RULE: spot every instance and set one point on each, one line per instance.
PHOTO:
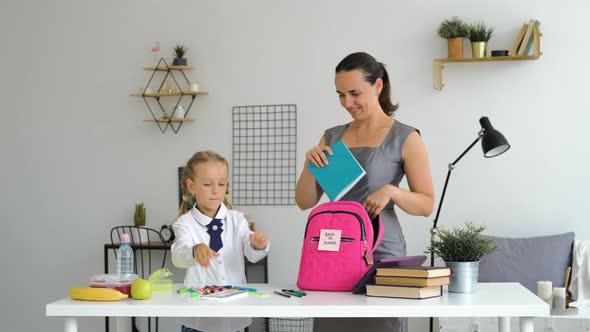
(419, 200)
(308, 192)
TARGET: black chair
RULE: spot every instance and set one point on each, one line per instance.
(145, 242)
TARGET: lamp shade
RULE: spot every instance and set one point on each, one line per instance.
(493, 142)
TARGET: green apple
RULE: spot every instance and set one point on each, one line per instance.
(141, 289)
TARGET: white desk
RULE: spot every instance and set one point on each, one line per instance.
(502, 300)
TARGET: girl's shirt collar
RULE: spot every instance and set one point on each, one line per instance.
(205, 220)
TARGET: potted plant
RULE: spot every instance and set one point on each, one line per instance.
(139, 216)
(179, 52)
(453, 30)
(461, 249)
(479, 35)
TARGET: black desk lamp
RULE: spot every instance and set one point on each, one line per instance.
(493, 144)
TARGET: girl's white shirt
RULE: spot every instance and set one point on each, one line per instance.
(226, 269)
(229, 267)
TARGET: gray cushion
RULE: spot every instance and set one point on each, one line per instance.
(528, 260)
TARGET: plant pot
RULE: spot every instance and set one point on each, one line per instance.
(463, 276)
(479, 49)
(179, 62)
(455, 47)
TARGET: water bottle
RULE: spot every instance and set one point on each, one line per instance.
(125, 256)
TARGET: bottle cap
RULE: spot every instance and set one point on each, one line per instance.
(124, 238)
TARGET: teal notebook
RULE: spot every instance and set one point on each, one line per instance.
(340, 175)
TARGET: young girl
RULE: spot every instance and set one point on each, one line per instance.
(211, 239)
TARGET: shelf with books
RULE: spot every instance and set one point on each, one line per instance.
(438, 64)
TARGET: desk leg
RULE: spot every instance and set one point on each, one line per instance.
(71, 324)
(106, 271)
(527, 324)
(504, 324)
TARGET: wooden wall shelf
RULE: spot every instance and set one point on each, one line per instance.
(167, 120)
(168, 94)
(167, 68)
(437, 64)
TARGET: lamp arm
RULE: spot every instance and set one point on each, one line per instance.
(479, 136)
(433, 231)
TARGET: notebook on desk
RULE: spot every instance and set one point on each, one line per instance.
(361, 286)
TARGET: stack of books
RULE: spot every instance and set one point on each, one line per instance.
(409, 282)
(523, 43)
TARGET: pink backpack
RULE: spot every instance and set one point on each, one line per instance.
(340, 270)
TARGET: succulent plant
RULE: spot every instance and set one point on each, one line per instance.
(139, 216)
(480, 33)
(180, 50)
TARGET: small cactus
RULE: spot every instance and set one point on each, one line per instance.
(139, 217)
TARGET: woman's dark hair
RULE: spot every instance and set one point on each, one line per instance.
(372, 70)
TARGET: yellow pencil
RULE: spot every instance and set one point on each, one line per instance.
(567, 276)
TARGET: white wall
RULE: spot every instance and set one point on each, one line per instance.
(76, 154)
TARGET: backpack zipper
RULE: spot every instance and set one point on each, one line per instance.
(345, 212)
(343, 239)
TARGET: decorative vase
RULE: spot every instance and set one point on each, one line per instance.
(179, 62)
(463, 276)
(180, 112)
(479, 49)
(455, 47)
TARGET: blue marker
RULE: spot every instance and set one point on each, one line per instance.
(245, 289)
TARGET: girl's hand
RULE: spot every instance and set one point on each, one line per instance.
(258, 240)
(377, 200)
(317, 156)
(203, 254)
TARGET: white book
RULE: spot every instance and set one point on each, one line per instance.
(225, 295)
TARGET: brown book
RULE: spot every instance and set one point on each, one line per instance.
(516, 43)
(416, 271)
(405, 292)
(528, 35)
(409, 281)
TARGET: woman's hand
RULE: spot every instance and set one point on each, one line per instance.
(203, 254)
(377, 200)
(317, 156)
(258, 240)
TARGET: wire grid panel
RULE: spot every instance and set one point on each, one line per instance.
(264, 154)
(290, 324)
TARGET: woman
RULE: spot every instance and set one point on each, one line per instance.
(387, 149)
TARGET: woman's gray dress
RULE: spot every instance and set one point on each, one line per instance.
(383, 165)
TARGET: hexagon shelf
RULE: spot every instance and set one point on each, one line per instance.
(167, 98)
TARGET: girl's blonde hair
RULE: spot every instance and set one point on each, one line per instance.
(189, 173)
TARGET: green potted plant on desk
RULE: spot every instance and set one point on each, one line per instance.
(139, 216)
(479, 35)
(461, 249)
